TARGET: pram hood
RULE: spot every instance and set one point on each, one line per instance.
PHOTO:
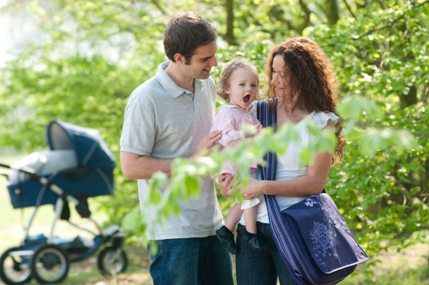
(87, 144)
(79, 162)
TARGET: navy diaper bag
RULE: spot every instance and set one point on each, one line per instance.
(312, 237)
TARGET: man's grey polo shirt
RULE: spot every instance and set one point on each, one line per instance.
(163, 120)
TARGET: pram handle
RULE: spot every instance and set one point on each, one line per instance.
(2, 165)
(26, 170)
(44, 181)
(5, 165)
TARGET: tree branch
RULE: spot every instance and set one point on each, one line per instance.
(349, 9)
(306, 17)
(154, 2)
(391, 23)
(380, 3)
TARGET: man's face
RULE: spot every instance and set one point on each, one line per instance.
(201, 63)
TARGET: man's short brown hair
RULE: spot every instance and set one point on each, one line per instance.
(185, 33)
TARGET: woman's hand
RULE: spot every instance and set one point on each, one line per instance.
(254, 190)
(225, 183)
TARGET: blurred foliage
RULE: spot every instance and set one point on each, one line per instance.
(94, 53)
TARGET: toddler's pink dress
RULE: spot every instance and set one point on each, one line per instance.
(229, 119)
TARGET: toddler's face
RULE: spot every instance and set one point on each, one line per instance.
(243, 87)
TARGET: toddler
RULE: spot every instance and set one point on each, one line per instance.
(239, 86)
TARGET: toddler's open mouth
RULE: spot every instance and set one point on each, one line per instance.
(246, 98)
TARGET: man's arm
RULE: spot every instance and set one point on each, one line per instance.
(135, 166)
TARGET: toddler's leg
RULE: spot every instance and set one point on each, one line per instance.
(251, 232)
(234, 216)
(250, 219)
(225, 233)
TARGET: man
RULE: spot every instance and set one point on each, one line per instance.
(167, 117)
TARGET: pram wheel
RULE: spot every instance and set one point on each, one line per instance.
(15, 266)
(49, 264)
(112, 260)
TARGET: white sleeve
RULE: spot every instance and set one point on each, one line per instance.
(322, 118)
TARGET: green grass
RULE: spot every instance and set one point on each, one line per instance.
(410, 266)
(415, 273)
(414, 276)
(86, 272)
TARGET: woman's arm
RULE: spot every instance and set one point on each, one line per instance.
(311, 183)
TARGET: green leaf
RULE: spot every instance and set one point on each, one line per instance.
(354, 107)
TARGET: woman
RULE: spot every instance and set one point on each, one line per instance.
(301, 85)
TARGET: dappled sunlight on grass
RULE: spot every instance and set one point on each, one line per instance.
(409, 266)
(86, 273)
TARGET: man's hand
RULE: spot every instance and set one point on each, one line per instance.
(225, 183)
(208, 142)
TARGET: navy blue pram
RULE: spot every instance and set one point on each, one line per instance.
(78, 166)
(79, 162)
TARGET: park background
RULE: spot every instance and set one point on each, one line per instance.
(78, 61)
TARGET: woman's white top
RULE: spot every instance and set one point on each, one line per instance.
(289, 165)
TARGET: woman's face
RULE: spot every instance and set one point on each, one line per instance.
(279, 77)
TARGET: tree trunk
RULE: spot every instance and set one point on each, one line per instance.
(229, 35)
(332, 12)
(410, 98)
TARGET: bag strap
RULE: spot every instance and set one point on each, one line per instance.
(267, 116)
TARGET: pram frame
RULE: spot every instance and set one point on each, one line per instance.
(59, 204)
(114, 235)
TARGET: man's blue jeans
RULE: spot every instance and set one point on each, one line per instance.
(191, 261)
(260, 267)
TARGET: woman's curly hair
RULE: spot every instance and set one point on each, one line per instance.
(310, 78)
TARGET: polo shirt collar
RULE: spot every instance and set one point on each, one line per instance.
(170, 85)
